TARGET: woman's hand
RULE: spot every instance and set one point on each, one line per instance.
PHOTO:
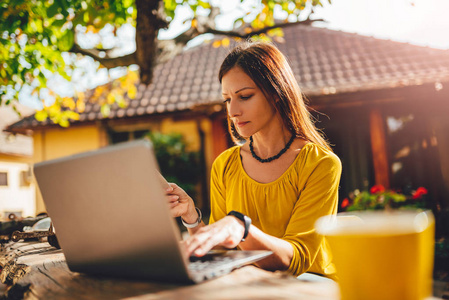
(181, 204)
(227, 232)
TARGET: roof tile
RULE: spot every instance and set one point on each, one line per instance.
(324, 62)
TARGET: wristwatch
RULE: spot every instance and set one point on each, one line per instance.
(245, 219)
(198, 221)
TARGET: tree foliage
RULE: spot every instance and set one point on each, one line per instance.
(35, 34)
(176, 163)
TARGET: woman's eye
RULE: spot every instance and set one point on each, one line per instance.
(226, 100)
(245, 97)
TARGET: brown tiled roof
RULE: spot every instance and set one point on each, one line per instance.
(323, 60)
(19, 145)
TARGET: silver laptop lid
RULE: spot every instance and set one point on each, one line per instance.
(110, 213)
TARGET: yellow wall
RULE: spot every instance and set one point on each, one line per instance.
(58, 142)
(14, 158)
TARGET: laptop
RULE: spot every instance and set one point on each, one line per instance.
(111, 217)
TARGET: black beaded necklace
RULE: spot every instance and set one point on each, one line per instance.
(269, 159)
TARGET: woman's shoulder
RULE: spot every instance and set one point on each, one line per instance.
(226, 156)
(316, 154)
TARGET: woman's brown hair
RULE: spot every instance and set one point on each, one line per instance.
(270, 71)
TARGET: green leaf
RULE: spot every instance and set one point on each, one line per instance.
(72, 115)
(238, 21)
(105, 110)
(42, 79)
(204, 4)
(65, 43)
(16, 110)
(168, 4)
(64, 123)
(79, 19)
(41, 115)
(86, 17)
(58, 23)
(53, 10)
(92, 13)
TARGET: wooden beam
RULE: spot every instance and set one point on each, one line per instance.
(379, 148)
(219, 137)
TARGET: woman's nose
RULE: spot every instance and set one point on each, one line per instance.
(233, 109)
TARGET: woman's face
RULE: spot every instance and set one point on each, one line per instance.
(247, 106)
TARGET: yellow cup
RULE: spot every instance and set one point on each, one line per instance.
(381, 255)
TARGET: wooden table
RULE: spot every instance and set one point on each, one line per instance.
(36, 270)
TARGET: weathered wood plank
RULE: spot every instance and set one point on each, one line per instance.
(39, 271)
(250, 283)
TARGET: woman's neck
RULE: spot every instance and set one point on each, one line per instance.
(267, 144)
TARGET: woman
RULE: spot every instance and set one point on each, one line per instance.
(283, 178)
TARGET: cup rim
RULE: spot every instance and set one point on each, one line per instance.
(357, 223)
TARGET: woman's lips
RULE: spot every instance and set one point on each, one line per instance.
(241, 124)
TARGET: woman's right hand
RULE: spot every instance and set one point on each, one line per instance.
(181, 204)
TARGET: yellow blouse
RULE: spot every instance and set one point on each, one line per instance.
(286, 208)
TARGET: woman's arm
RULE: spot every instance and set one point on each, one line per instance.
(297, 250)
(282, 250)
(228, 232)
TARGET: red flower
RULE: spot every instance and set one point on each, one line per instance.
(419, 193)
(378, 188)
(344, 203)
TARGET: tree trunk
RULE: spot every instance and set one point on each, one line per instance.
(148, 23)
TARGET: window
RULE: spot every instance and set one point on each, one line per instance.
(3, 179)
(123, 136)
(118, 137)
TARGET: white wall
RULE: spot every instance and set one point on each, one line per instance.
(14, 197)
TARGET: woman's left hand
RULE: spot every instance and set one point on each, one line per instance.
(227, 232)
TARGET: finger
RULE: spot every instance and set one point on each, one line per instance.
(173, 198)
(172, 185)
(225, 235)
(214, 240)
(174, 204)
(205, 240)
(195, 241)
(177, 189)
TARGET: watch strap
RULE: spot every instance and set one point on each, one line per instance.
(197, 222)
(245, 219)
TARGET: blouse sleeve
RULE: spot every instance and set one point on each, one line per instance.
(318, 197)
(217, 191)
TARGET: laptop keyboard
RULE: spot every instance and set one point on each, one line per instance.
(208, 261)
(220, 262)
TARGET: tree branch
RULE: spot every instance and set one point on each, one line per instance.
(170, 48)
(107, 62)
(167, 49)
(260, 31)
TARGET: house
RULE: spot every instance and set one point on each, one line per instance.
(383, 105)
(17, 188)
